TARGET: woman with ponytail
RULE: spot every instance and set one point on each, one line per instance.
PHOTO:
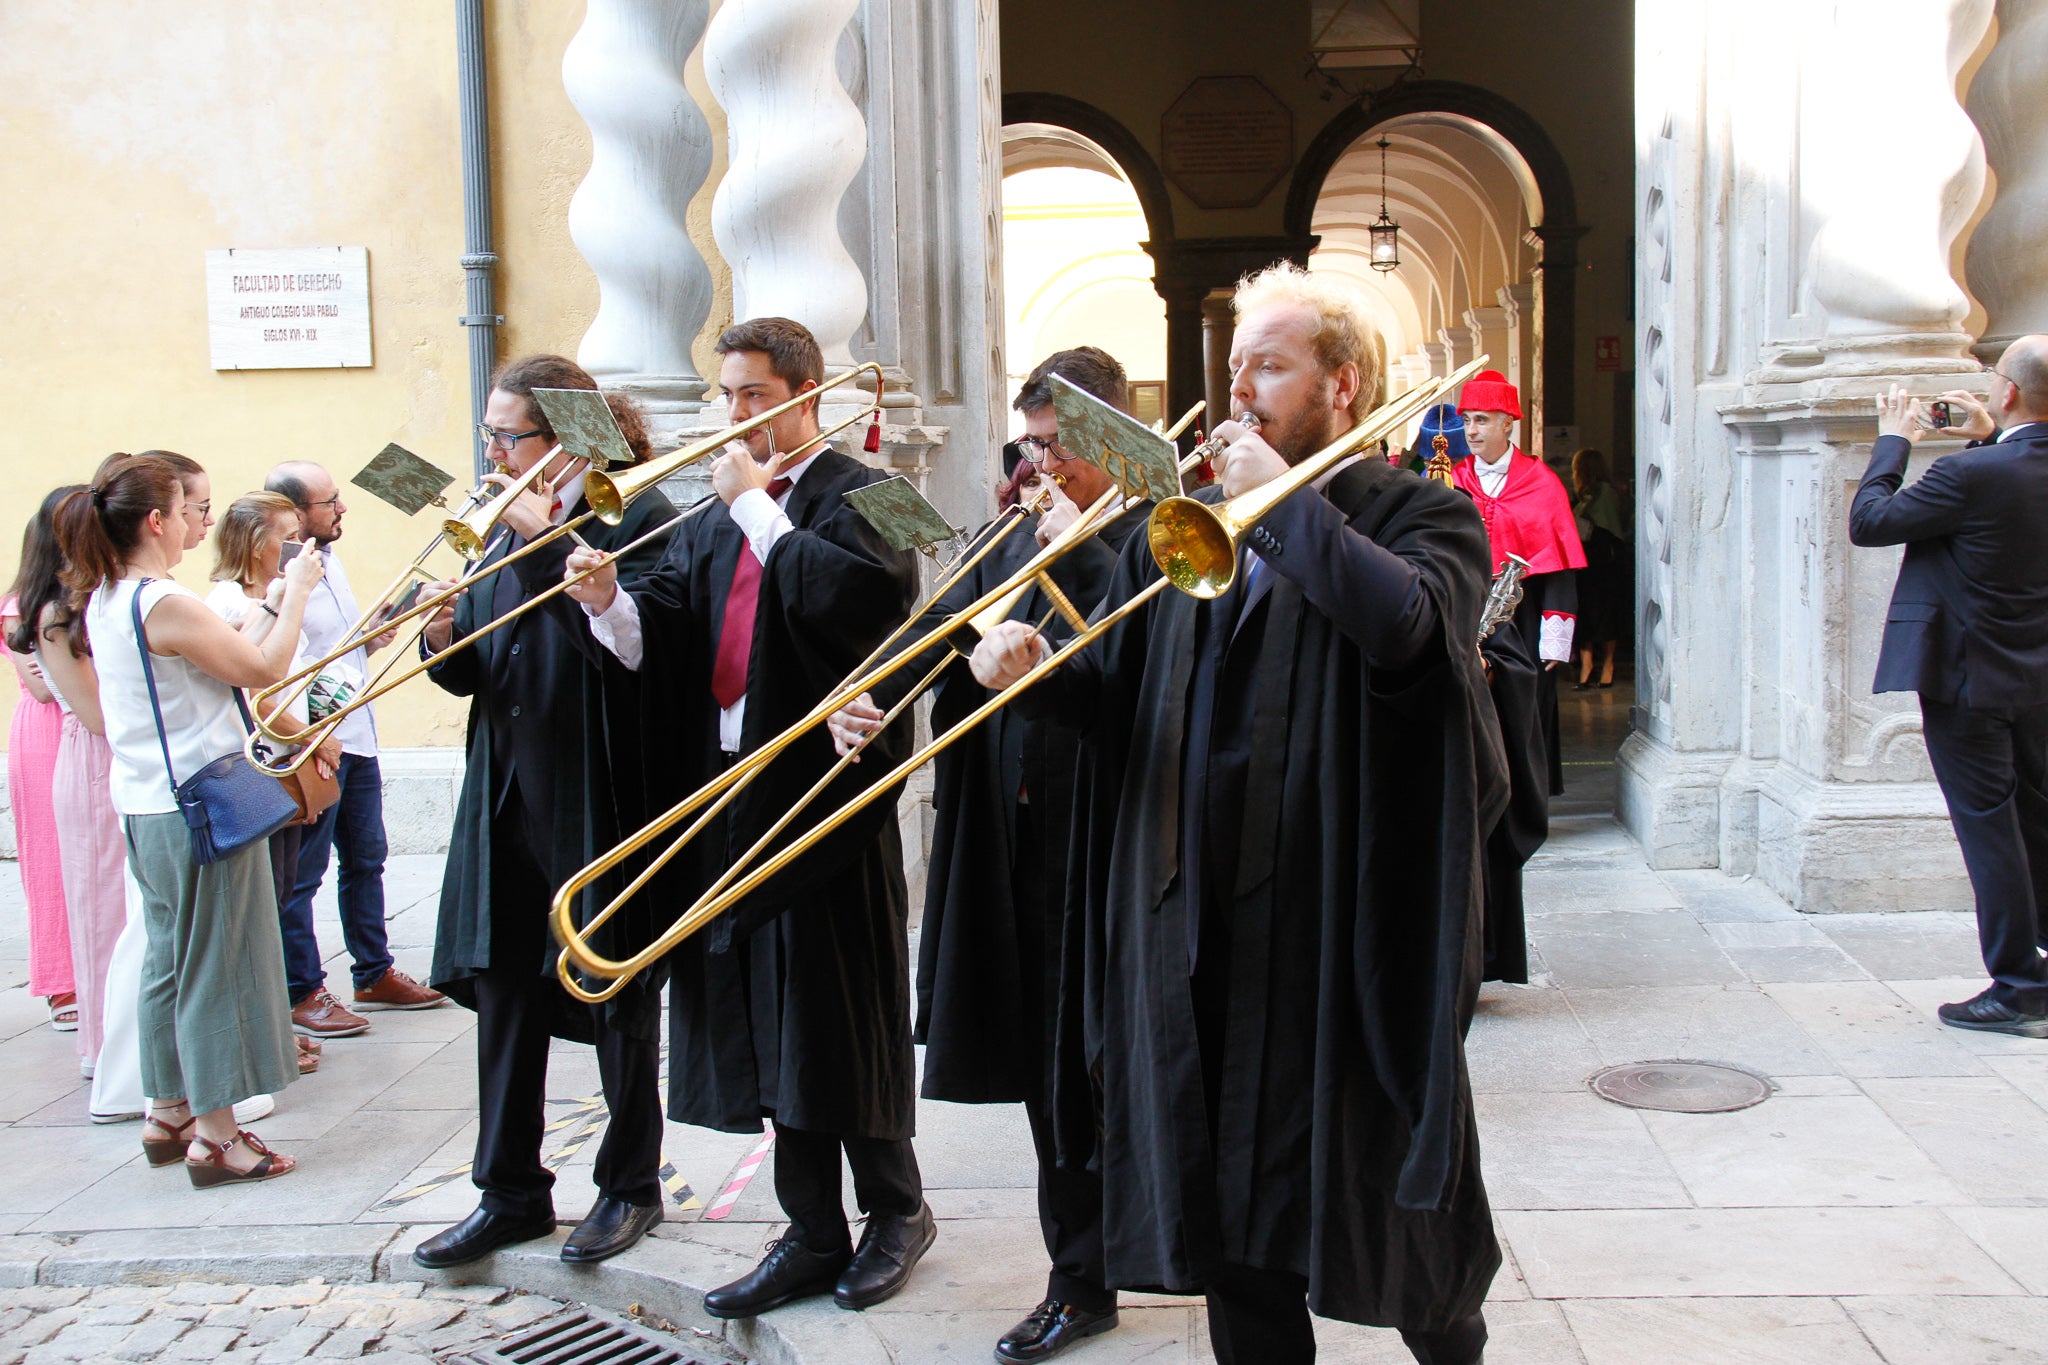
(213, 1021)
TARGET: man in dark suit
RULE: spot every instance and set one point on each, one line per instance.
(1968, 631)
(539, 797)
(794, 1007)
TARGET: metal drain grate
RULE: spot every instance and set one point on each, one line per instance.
(581, 1337)
(1682, 1087)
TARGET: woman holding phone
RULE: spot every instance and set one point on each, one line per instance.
(214, 1024)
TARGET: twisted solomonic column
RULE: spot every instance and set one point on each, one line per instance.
(2007, 268)
(650, 151)
(1894, 168)
(796, 141)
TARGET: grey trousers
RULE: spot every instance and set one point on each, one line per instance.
(216, 1027)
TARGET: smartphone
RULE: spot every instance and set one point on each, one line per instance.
(1940, 414)
(290, 552)
(405, 601)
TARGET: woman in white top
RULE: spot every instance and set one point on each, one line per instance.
(214, 1025)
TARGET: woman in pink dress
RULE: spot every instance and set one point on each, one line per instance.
(88, 830)
(31, 765)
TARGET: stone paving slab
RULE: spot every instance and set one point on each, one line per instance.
(1889, 1203)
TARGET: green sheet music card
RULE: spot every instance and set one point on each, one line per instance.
(903, 516)
(584, 424)
(401, 478)
(1142, 462)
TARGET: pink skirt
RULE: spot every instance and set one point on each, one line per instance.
(90, 834)
(31, 763)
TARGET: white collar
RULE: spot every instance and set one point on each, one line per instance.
(796, 471)
(570, 493)
(1499, 466)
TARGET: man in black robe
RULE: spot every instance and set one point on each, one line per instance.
(999, 956)
(1283, 861)
(539, 800)
(1516, 684)
(795, 1006)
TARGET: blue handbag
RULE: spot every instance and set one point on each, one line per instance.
(228, 804)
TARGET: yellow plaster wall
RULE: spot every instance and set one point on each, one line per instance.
(138, 136)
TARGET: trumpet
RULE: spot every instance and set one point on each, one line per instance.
(1191, 550)
(1503, 596)
(607, 494)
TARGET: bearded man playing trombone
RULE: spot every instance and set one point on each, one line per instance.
(1280, 849)
(538, 792)
(794, 1007)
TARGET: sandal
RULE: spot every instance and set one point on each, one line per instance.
(309, 1056)
(213, 1168)
(162, 1151)
(64, 1012)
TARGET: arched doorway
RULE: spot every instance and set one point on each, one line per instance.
(1075, 270)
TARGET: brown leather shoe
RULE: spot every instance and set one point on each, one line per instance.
(396, 991)
(320, 1015)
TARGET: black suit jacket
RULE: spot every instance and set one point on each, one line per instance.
(1968, 622)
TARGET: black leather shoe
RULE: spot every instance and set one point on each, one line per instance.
(790, 1271)
(1052, 1327)
(889, 1250)
(609, 1228)
(477, 1236)
(1990, 1015)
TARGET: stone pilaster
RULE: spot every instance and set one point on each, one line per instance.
(1460, 345)
(1219, 325)
(1518, 305)
(1489, 327)
(650, 151)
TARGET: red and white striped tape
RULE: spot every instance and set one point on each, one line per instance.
(735, 1187)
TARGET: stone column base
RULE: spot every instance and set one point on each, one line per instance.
(1826, 847)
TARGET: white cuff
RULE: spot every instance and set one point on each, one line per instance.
(1555, 642)
(617, 628)
(759, 520)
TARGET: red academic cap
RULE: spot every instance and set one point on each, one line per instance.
(1489, 391)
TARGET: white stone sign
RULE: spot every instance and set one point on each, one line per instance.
(292, 308)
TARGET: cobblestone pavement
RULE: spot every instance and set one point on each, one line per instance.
(392, 1324)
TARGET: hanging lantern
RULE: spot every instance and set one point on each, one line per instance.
(1385, 232)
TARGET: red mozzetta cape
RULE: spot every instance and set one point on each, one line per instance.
(1532, 517)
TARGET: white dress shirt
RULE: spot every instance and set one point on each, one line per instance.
(762, 520)
(1493, 477)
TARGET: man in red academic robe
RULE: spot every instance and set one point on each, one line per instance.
(1527, 513)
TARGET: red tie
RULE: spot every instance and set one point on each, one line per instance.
(736, 635)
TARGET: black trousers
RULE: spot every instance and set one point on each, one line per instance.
(516, 1008)
(1992, 764)
(1260, 1317)
(886, 1182)
(1070, 1217)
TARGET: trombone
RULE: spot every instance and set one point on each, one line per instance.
(980, 615)
(607, 494)
(1196, 552)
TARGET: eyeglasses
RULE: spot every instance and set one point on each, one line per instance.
(505, 440)
(1036, 448)
(2006, 377)
(324, 502)
(203, 509)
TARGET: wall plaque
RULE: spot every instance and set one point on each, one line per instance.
(1227, 141)
(290, 308)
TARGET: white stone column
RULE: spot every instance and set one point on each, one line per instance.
(650, 151)
(1490, 327)
(1436, 356)
(1460, 345)
(796, 142)
(1518, 303)
(2007, 268)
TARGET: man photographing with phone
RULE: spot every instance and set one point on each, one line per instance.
(355, 823)
(1968, 630)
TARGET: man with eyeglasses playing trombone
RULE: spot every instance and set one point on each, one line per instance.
(998, 972)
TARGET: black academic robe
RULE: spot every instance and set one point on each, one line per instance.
(1542, 592)
(988, 982)
(1525, 824)
(1342, 1146)
(537, 723)
(796, 1005)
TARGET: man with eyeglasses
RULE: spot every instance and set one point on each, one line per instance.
(1968, 630)
(355, 824)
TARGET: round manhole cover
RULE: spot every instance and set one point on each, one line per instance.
(1682, 1087)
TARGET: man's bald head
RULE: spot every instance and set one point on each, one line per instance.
(312, 490)
(2025, 366)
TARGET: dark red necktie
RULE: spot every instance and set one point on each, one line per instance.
(736, 635)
